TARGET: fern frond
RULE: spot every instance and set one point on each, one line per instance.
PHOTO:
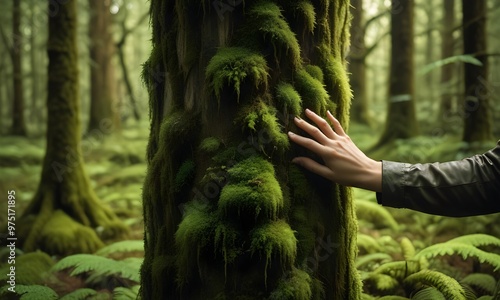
(393, 297)
(368, 243)
(476, 240)
(481, 283)
(30, 292)
(428, 293)
(121, 247)
(384, 282)
(399, 269)
(122, 293)
(83, 293)
(376, 214)
(464, 250)
(485, 298)
(448, 286)
(98, 266)
(407, 248)
(365, 259)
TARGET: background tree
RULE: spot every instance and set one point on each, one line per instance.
(103, 90)
(64, 212)
(477, 90)
(221, 198)
(447, 50)
(401, 121)
(18, 126)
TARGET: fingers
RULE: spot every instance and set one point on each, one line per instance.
(322, 124)
(313, 166)
(336, 124)
(307, 143)
(313, 131)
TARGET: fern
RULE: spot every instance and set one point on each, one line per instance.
(83, 293)
(399, 269)
(477, 240)
(483, 284)
(392, 297)
(485, 298)
(368, 243)
(30, 292)
(382, 257)
(376, 214)
(121, 293)
(121, 247)
(99, 266)
(407, 248)
(428, 293)
(448, 286)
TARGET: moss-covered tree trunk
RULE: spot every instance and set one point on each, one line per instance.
(104, 106)
(401, 120)
(227, 216)
(447, 105)
(18, 126)
(477, 115)
(357, 65)
(65, 213)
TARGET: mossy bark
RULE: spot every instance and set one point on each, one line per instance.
(65, 213)
(104, 105)
(476, 106)
(401, 120)
(227, 216)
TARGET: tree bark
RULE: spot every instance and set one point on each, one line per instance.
(103, 91)
(18, 126)
(447, 50)
(357, 65)
(227, 216)
(401, 121)
(61, 218)
(477, 115)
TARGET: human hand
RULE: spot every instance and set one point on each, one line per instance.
(344, 163)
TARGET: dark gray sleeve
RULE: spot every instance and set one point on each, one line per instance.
(459, 188)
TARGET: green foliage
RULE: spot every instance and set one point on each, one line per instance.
(469, 59)
(30, 292)
(122, 247)
(99, 267)
(185, 173)
(392, 297)
(367, 243)
(289, 97)
(465, 246)
(376, 214)
(448, 286)
(307, 9)
(231, 66)
(210, 144)
(252, 188)
(398, 269)
(79, 294)
(315, 72)
(484, 284)
(407, 248)
(372, 258)
(429, 293)
(297, 285)
(299, 187)
(312, 91)
(122, 293)
(274, 238)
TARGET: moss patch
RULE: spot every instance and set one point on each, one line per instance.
(295, 286)
(31, 268)
(313, 92)
(288, 97)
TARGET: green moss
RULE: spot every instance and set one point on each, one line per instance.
(210, 144)
(268, 20)
(307, 9)
(252, 189)
(231, 66)
(31, 268)
(296, 286)
(300, 220)
(314, 94)
(194, 233)
(289, 97)
(63, 236)
(274, 238)
(261, 120)
(299, 187)
(185, 173)
(225, 242)
(315, 72)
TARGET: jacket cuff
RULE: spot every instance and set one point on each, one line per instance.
(393, 182)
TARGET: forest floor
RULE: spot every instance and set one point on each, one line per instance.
(117, 167)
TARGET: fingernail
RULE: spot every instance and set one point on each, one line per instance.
(290, 133)
(308, 111)
(298, 119)
(328, 111)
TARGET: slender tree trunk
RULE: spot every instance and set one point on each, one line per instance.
(477, 125)
(447, 50)
(35, 116)
(357, 65)
(227, 216)
(401, 121)
(18, 126)
(62, 216)
(103, 91)
(430, 80)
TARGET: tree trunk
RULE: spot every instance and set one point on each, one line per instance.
(18, 126)
(401, 121)
(35, 111)
(477, 123)
(357, 65)
(447, 50)
(61, 218)
(227, 216)
(103, 91)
